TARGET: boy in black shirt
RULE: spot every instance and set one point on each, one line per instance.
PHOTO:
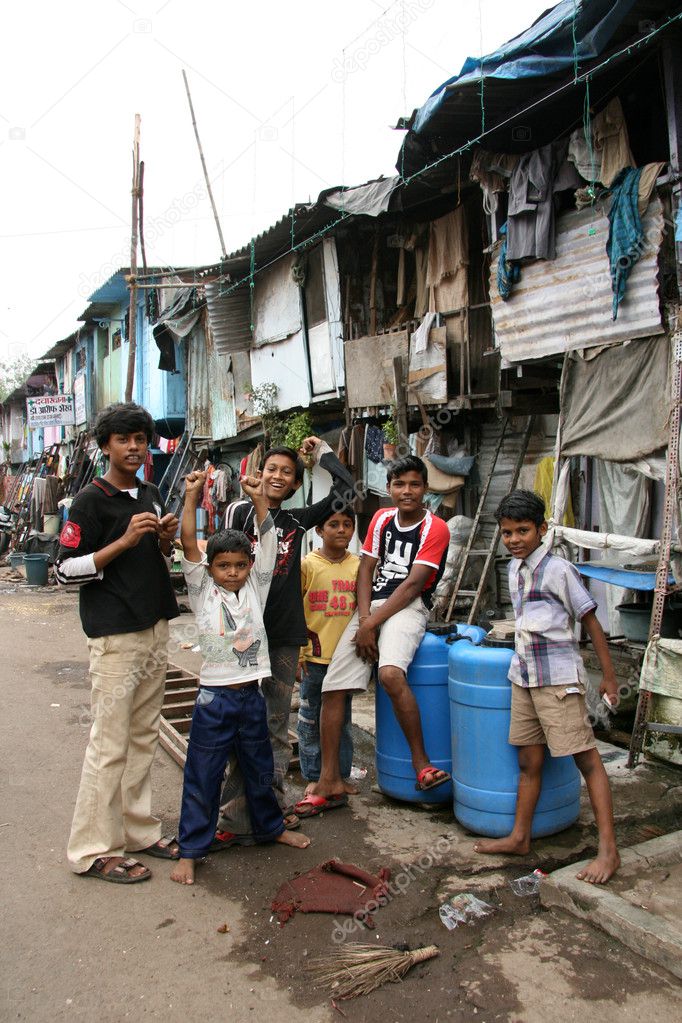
(284, 620)
(113, 548)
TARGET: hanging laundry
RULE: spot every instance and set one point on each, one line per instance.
(534, 181)
(448, 246)
(582, 154)
(374, 444)
(611, 142)
(647, 183)
(421, 334)
(508, 274)
(421, 302)
(626, 235)
(492, 171)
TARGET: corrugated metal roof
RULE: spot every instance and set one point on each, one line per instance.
(229, 314)
(565, 304)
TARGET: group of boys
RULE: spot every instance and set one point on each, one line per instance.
(263, 616)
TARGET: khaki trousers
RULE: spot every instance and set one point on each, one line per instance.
(113, 807)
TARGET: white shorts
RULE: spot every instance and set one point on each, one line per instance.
(399, 638)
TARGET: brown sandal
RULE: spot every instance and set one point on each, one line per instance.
(120, 874)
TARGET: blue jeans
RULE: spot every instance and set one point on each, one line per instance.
(308, 725)
(227, 721)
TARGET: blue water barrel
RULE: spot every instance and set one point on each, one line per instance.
(486, 770)
(427, 677)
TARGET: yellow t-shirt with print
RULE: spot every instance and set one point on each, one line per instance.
(329, 601)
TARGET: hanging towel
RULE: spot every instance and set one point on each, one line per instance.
(611, 142)
(421, 334)
(626, 236)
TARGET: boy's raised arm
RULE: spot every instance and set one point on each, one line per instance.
(343, 485)
(265, 555)
(194, 485)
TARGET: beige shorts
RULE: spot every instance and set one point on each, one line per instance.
(552, 716)
(399, 638)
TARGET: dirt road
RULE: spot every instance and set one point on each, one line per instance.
(75, 949)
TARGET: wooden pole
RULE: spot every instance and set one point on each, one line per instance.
(373, 287)
(203, 164)
(132, 311)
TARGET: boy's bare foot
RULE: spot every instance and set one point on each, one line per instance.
(324, 788)
(347, 787)
(508, 846)
(183, 873)
(295, 838)
(600, 870)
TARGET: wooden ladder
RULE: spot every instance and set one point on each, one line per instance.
(643, 724)
(484, 515)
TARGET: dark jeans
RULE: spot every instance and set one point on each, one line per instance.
(277, 689)
(227, 721)
(308, 725)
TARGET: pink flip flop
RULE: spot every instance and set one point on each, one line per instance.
(311, 805)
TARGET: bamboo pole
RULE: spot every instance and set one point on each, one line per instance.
(132, 311)
(203, 164)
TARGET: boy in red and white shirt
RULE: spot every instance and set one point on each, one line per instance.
(403, 558)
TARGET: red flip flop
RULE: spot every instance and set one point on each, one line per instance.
(311, 805)
(430, 769)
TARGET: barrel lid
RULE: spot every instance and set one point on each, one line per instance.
(507, 644)
(440, 628)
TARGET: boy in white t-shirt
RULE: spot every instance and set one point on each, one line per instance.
(227, 590)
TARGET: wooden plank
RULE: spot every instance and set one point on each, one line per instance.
(369, 368)
(427, 374)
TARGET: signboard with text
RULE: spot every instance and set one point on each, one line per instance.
(50, 410)
(79, 397)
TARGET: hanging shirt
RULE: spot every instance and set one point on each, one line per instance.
(398, 548)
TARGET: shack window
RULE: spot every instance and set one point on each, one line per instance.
(316, 310)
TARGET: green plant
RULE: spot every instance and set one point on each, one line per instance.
(264, 401)
(297, 427)
(390, 428)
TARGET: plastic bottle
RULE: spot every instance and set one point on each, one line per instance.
(529, 884)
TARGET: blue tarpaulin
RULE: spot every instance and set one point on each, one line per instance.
(546, 48)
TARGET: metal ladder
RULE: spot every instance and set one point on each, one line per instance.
(642, 723)
(182, 461)
(484, 515)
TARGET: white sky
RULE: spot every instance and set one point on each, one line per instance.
(279, 121)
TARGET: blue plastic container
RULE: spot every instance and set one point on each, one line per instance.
(428, 679)
(36, 569)
(486, 771)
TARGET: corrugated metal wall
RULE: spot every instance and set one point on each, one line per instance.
(565, 304)
(230, 318)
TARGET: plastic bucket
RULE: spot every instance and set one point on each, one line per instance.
(16, 561)
(51, 524)
(36, 569)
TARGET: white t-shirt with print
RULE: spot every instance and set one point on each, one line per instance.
(231, 632)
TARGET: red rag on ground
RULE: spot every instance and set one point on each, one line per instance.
(333, 887)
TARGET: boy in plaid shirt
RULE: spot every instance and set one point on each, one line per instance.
(548, 679)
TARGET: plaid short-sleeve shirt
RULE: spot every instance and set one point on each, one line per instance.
(548, 598)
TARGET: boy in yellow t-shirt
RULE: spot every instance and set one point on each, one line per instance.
(328, 583)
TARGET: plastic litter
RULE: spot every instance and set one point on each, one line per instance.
(529, 884)
(463, 909)
(358, 773)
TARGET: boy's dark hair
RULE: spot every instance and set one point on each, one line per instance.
(410, 463)
(344, 510)
(228, 541)
(521, 504)
(288, 453)
(123, 417)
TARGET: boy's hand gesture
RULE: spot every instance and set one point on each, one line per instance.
(309, 445)
(168, 527)
(252, 486)
(194, 485)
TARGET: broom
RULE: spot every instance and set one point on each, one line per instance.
(358, 969)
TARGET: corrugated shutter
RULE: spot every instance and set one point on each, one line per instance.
(565, 304)
(230, 318)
